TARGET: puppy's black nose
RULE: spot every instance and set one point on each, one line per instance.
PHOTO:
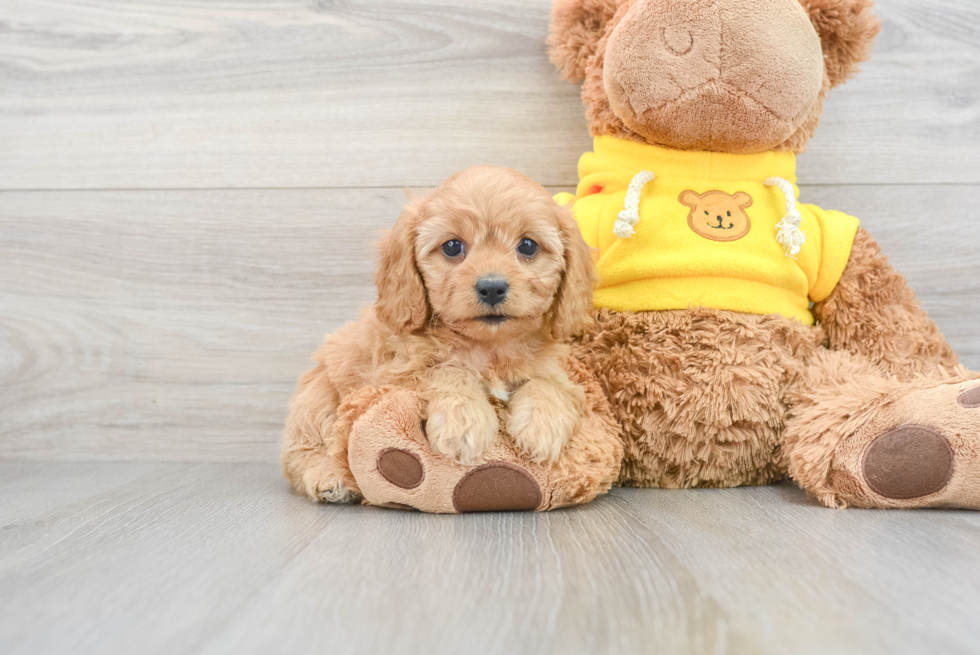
(491, 290)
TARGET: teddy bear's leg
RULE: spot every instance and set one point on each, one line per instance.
(394, 465)
(856, 436)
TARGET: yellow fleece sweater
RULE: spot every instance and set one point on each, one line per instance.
(706, 231)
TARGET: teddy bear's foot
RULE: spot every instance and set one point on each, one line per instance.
(920, 448)
(494, 486)
(394, 465)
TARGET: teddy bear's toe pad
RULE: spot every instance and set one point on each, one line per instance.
(401, 468)
(497, 486)
(971, 398)
(907, 462)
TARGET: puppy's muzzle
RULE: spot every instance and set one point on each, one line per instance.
(491, 290)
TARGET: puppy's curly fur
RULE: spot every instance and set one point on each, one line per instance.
(430, 332)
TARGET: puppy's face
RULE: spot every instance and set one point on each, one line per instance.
(492, 262)
(497, 257)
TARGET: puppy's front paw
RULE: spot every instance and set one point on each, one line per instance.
(541, 430)
(461, 428)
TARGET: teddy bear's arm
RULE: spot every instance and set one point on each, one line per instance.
(874, 312)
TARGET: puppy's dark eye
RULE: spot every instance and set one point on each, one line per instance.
(729, 214)
(452, 248)
(527, 247)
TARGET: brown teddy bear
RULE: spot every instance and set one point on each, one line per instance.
(742, 336)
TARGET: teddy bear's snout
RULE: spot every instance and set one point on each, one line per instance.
(679, 40)
(670, 68)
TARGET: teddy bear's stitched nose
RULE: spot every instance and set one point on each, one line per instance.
(678, 40)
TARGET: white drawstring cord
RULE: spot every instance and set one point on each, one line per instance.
(630, 216)
(788, 232)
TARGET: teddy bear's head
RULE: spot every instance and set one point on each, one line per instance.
(736, 76)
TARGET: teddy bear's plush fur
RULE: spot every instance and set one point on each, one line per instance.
(868, 407)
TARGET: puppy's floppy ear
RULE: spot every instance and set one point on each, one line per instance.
(847, 30)
(402, 304)
(571, 311)
(576, 29)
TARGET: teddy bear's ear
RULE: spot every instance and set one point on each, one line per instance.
(847, 29)
(743, 200)
(576, 28)
(690, 198)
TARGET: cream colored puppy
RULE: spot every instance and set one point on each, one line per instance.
(478, 285)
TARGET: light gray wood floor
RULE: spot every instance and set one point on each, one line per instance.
(219, 558)
(189, 191)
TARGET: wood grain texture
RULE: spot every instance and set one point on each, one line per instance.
(211, 558)
(172, 325)
(295, 93)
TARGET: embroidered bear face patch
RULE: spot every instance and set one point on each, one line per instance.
(717, 215)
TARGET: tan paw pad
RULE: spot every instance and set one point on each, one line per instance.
(907, 462)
